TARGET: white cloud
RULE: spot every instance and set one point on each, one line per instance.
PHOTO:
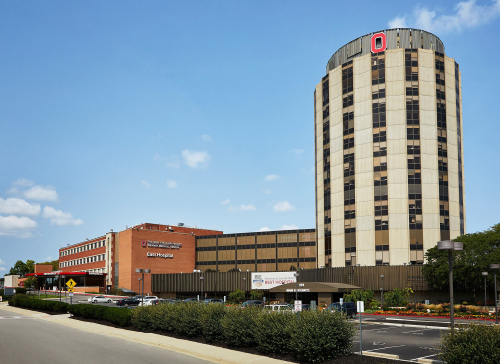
(2, 262)
(271, 177)
(23, 182)
(283, 206)
(145, 183)
(225, 202)
(265, 228)
(398, 22)
(297, 151)
(206, 138)
(289, 227)
(17, 226)
(172, 161)
(60, 218)
(17, 206)
(248, 207)
(171, 183)
(195, 159)
(466, 14)
(48, 258)
(42, 193)
(3, 268)
(266, 191)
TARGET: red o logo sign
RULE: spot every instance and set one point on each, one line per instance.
(379, 42)
(144, 243)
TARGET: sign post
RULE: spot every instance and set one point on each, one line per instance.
(361, 308)
(71, 288)
(298, 308)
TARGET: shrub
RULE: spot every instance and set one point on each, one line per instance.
(187, 319)
(211, 322)
(374, 305)
(471, 344)
(365, 295)
(116, 315)
(256, 295)
(273, 332)
(322, 335)
(21, 300)
(238, 324)
(237, 296)
(397, 297)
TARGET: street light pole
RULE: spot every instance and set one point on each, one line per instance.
(140, 270)
(382, 292)
(485, 274)
(495, 267)
(139, 279)
(59, 287)
(201, 281)
(297, 285)
(450, 246)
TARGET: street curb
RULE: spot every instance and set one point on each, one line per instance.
(379, 355)
(430, 361)
(407, 325)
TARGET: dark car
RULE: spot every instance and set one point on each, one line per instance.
(255, 303)
(191, 300)
(349, 308)
(306, 307)
(128, 302)
(213, 300)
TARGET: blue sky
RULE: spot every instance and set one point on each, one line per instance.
(117, 113)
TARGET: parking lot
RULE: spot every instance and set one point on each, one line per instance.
(408, 343)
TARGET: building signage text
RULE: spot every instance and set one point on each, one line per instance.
(268, 280)
(160, 244)
(160, 255)
(378, 42)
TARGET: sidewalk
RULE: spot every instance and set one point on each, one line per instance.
(202, 351)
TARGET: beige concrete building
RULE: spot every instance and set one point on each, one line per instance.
(389, 150)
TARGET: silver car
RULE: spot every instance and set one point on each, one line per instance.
(96, 299)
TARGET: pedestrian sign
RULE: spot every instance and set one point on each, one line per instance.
(71, 283)
(71, 290)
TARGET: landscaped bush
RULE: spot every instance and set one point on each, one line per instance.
(238, 326)
(322, 335)
(211, 325)
(471, 344)
(365, 295)
(21, 300)
(273, 332)
(117, 315)
(397, 297)
(237, 296)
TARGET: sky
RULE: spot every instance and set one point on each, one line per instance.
(118, 113)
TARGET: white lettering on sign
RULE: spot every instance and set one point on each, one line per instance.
(160, 244)
(300, 290)
(159, 255)
(268, 280)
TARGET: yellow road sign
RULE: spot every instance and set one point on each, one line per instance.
(71, 283)
(71, 289)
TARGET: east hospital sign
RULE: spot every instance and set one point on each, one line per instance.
(160, 244)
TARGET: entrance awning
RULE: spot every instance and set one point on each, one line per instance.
(314, 287)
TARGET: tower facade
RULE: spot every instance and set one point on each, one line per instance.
(389, 150)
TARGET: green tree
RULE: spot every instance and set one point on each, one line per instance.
(237, 296)
(19, 269)
(30, 283)
(256, 295)
(480, 250)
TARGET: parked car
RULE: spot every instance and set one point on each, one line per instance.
(213, 300)
(96, 299)
(191, 300)
(148, 301)
(349, 308)
(127, 302)
(250, 303)
(280, 307)
(306, 307)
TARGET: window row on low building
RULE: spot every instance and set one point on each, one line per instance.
(83, 248)
(91, 259)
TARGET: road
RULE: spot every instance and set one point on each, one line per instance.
(27, 339)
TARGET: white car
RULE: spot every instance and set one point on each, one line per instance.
(148, 300)
(96, 299)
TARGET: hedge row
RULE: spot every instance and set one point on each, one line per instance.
(315, 336)
(117, 315)
(471, 344)
(21, 300)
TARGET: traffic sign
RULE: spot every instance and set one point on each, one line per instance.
(71, 283)
(298, 306)
(71, 289)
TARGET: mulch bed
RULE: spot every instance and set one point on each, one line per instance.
(349, 359)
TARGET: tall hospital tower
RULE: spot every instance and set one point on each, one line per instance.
(389, 150)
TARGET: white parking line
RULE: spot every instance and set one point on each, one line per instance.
(423, 357)
(388, 347)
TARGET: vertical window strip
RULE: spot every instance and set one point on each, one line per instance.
(349, 171)
(380, 160)
(459, 144)
(413, 157)
(444, 206)
(326, 170)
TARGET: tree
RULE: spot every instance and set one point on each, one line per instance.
(480, 250)
(30, 283)
(18, 269)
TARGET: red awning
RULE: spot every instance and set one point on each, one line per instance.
(66, 274)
